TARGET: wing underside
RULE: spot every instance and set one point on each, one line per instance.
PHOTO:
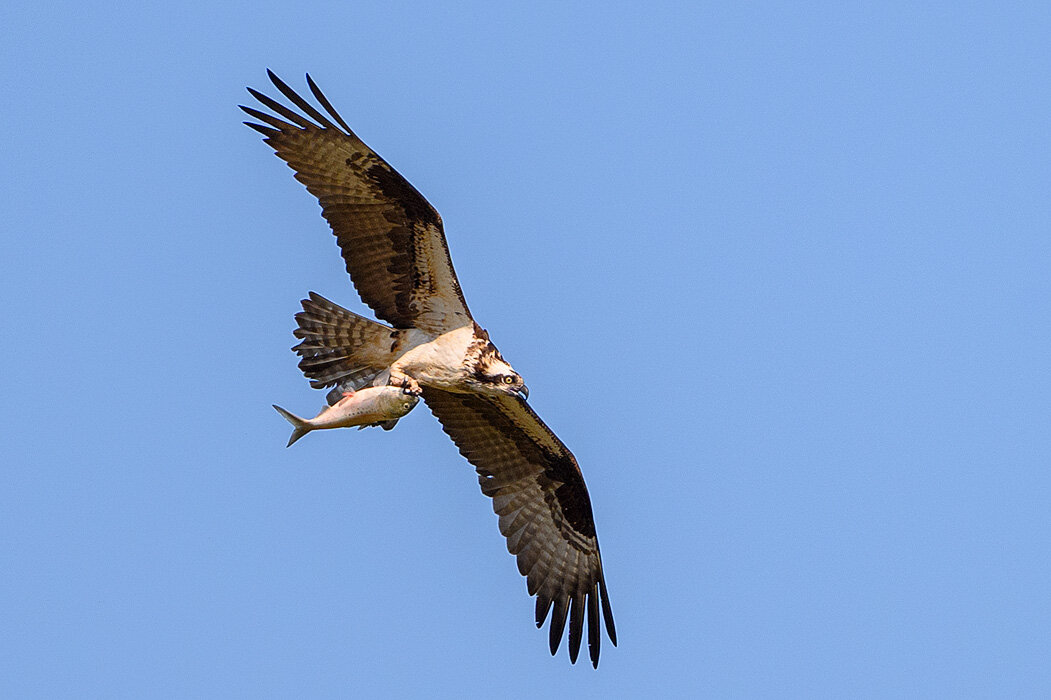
(391, 238)
(543, 505)
(394, 247)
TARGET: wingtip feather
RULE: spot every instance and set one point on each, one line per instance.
(607, 612)
(264, 130)
(298, 100)
(297, 119)
(594, 633)
(558, 624)
(543, 607)
(320, 97)
(576, 626)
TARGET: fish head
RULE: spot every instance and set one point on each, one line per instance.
(392, 401)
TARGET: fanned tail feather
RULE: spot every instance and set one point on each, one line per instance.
(339, 346)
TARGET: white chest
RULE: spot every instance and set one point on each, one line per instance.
(438, 362)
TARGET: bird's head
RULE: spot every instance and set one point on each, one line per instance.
(491, 374)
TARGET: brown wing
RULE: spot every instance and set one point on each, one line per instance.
(544, 509)
(391, 238)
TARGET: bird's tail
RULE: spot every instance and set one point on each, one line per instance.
(340, 346)
(300, 427)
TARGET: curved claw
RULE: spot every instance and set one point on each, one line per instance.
(408, 385)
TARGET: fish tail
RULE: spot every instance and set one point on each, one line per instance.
(300, 426)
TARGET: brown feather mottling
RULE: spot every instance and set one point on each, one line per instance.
(543, 504)
(394, 248)
(390, 237)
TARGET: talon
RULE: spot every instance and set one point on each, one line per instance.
(408, 385)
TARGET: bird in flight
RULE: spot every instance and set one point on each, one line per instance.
(394, 247)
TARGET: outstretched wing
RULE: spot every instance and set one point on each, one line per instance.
(545, 513)
(390, 236)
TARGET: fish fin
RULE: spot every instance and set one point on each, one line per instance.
(386, 424)
(300, 426)
(336, 395)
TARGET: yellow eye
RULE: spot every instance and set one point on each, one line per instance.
(509, 379)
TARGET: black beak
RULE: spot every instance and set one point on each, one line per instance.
(524, 392)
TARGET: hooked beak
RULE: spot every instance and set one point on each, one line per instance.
(524, 392)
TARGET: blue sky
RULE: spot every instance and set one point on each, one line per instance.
(777, 275)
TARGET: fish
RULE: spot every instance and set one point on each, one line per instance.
(376, 405)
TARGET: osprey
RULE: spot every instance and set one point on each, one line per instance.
(394, 247)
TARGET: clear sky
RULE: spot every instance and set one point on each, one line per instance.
(779, 276)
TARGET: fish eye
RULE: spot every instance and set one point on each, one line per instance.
(508, 379)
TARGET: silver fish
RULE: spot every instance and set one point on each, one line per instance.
(376, 405)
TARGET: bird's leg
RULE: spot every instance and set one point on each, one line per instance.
(408, 384)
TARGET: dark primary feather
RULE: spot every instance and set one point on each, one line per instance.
(394, 247)
(390, 237)
(325, 103)
(544, 509)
